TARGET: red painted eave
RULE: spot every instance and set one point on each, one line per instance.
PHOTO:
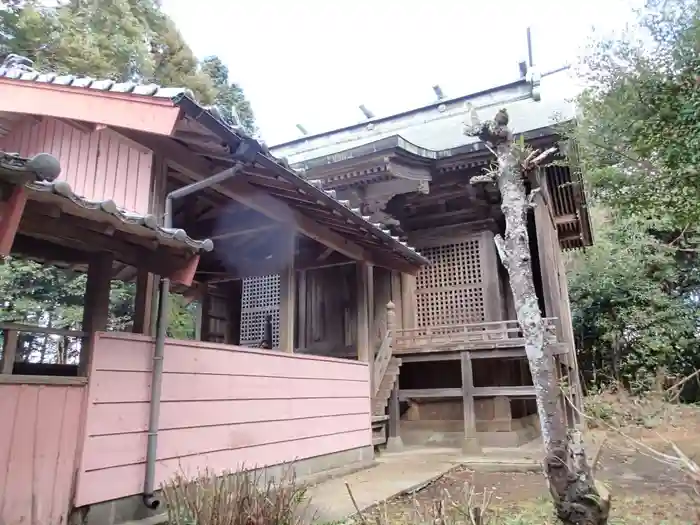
(138, 112)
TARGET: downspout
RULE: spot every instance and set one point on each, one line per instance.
(245, 154)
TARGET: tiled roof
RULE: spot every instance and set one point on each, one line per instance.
(20, 68)
(39, 175)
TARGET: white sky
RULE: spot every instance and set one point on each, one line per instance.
(314, 62)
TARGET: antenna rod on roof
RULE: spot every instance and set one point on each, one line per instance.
(367, 113)
(529, 48)
(302, 129)
(438, 91)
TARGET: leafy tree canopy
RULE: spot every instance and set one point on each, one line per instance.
(117, 39)
(635, 293)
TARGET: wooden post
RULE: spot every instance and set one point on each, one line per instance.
(394, 442)
(9, 351)
(143, 304)
(363, 275)
(372, 345)
(10, 216)
(234, 298)
(408, 300)
(96, 309)
(470, 444)
(493, 299)
(302, 306)
(396, 297)
(288, 300)
(205, 309)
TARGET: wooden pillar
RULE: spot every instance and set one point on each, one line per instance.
(493, 299)
(363, 275)
(394, 441)
(204, 313)
(143, 304)
(11, 212)
(396, 297)
(288, 300)
(408, 300)
(9, 350)
(96, 309)
(302, 338)
(234, 298)
(470, 444)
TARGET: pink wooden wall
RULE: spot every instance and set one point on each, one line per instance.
(99, 165)
(40, 427)
(223, 407)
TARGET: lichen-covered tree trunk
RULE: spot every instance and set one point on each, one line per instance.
(578, 500)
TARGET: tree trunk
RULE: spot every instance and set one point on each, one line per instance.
(578, 500)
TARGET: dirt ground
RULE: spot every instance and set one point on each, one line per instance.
(645, 490)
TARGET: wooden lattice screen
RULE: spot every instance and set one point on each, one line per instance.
(450, 291)
(261, 297)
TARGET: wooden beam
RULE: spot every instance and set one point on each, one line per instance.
(508, 391)
(45, 250)
(71, 232)
(242, 191)
(424, 393)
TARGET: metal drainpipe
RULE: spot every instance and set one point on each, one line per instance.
(149, 498)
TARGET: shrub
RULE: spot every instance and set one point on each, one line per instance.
(244, 497)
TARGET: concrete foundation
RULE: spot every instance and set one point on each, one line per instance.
(312, 470)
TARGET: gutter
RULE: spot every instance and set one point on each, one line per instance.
(245, 154)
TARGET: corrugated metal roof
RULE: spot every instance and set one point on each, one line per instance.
(39, 174)
(437, 127)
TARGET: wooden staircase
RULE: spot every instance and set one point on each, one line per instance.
(385, 374)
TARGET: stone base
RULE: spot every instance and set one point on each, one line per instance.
(470, 445)
(123, 510)
(394, 444)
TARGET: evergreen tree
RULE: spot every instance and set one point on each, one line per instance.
(229, 95)
(120, 40)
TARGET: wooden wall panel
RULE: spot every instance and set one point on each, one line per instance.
(223, 407)
(98, 165)
(39, 438)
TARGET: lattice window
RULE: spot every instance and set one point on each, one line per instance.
(261, 297)
(450, 290)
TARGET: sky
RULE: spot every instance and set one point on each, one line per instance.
(313, 62)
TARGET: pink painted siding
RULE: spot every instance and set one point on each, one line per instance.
(39, 433)
(99, 165)
(223, 407)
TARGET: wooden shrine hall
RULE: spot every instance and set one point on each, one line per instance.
(457, 350)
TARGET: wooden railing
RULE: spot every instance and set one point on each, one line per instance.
(61, 360)
(487, 335)
(381, 360)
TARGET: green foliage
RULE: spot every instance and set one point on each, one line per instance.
(635, 293)
(640, 128)
(229, 95)
(634, 309)
(117, 39)
(121, 40)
